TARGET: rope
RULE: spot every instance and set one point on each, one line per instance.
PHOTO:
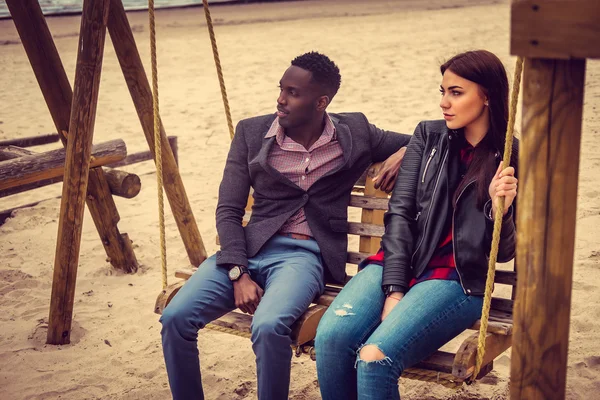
(489, 286)
(157, 144)
(213, 42)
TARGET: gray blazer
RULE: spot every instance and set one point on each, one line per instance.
(276, 198)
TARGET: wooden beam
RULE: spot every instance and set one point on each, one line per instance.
(123, 186)
(51, 164)
(31, 140)
(464, 361)
(547, 204)
(48, 69)
(81, 129)
(560, 29)
(368, 242)
(11, 152)
(133, 70)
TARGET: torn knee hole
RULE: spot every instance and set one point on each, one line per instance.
(371, 352)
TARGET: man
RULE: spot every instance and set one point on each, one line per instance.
(302, 164)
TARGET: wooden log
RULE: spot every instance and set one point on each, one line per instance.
(81, 128)
(146, 155)
(11, 152)
(305, 328)
(123, 183)
(31, 140)
(547, 204)
(131, 188)
(137, 82)
(56, 89)
(555, 28)
(51, 164)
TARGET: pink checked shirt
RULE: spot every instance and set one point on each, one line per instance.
(304, 167)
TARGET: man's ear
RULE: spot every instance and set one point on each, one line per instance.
(322, 103)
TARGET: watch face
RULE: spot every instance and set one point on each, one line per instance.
(234, 273)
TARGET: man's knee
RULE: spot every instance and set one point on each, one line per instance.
(174, 319)
(264, 328)
(370, 353)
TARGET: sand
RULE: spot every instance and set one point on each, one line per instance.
(388, 53)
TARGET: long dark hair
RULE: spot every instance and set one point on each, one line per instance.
(486, 70)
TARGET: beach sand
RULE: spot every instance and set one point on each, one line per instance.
(389, 55)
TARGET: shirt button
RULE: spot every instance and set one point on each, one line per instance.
(468, 291)
(307, 159)
(303, 177)
(305, 197)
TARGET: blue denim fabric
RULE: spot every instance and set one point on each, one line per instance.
(430, 314)
(290, 271)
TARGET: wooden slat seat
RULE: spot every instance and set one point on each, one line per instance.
(372, 205)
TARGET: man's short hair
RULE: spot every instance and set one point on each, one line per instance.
(324, 71)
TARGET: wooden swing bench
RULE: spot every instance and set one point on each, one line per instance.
(449, 369)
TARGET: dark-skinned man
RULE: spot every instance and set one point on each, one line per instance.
(302, 164)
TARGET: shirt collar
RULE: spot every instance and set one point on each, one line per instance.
(277, 130)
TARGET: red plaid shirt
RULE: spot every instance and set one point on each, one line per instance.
(304, 167)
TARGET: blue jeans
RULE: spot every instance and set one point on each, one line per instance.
(430, 314)
(291, 273)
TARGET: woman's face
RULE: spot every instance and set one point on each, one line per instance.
(463, 102)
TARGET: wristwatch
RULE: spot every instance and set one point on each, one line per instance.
(389, 289)
(236, 272)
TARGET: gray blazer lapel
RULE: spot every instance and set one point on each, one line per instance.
(263, 160)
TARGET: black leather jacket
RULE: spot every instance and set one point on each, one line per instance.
(418, 209)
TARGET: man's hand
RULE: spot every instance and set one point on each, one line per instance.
(390, 303)
(247, 294)
(386, 177)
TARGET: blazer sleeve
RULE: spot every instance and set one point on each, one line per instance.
(233, 196)
(400, 224)
(385, 143)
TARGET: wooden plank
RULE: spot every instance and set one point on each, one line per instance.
(31, 140)
(56, 89)
(440, 361)
(146, 155)
(368, 202)
(560, 29)
(124, 257)
(139, 88)
(79, 148)
(51, 164)
(235, 320)
(10, 152)
(368, 243)
(371, 230)
(547, 204)
(464, 361)
(304, 329)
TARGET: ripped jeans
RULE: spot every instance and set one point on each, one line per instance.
(430, 314)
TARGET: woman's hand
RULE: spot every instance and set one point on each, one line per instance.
(504, 184)
(390, 302)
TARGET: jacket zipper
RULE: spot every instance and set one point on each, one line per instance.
(453, 236)
(429, 209)
(427, 165)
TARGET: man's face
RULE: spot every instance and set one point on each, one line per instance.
(298, 99)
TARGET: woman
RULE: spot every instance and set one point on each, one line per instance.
(426, 284)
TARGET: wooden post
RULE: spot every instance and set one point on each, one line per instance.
(79, 146)
(31, 140)
(547, 203)
(48, 69)
(133, 70)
